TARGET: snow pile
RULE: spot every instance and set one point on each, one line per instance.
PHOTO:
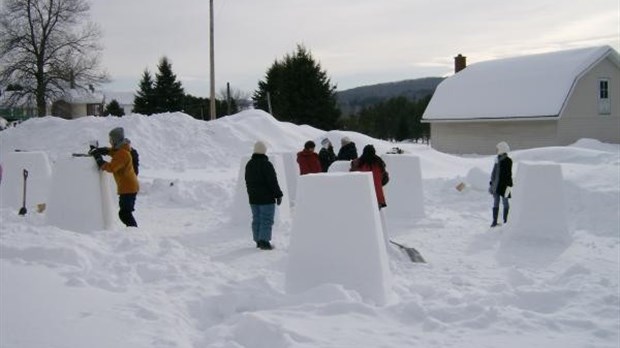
(187, 277)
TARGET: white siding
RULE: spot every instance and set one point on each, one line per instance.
(581, 118)
(481, 137)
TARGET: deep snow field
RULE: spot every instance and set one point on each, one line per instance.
(189, 276)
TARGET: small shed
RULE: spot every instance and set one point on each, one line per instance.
(548, 99)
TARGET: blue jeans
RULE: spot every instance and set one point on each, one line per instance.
(496, 198)
(262, 221)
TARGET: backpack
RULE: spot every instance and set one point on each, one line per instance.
(135, 160)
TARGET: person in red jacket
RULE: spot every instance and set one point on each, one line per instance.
(308, 159)
(370, 162)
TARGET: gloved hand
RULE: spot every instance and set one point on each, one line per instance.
(279, 200)
(99, 151)
(99, 160)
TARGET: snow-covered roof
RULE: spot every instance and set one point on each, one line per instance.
(82, 96)
(521, 87)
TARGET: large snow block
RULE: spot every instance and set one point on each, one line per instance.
(37, 183)
(404, 192)
(82, 198)
(291, 169)
(337, 236)
(538, 211)
(241, 213)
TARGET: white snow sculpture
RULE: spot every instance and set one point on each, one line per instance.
(339, 167)
(82, 198)
(538, 212)
(404, 192)
(337, 236)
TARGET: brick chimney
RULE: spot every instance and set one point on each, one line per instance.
(460, 63)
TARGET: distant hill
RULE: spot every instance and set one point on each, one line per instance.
(352, 100)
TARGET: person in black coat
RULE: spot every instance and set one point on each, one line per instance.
(347, 151)
(327, 155)
(501, 181)
(264, 193)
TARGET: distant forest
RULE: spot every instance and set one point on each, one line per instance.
(390, 111)
(352, 101)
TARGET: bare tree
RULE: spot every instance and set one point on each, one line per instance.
(238, 97)
(48, 46)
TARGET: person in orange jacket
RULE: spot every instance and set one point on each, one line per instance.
(308, 159)
(121, 166)
(370, 162)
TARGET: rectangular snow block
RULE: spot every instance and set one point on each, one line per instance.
(337, 236)
(38, 181)
(538, 210)
(81, 198)
(404, 192)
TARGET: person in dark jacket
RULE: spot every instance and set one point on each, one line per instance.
(121, 166)
(327, 156)
(501, 181)
(308, 159)
(264, 193)
(370, 162)
(347, 151)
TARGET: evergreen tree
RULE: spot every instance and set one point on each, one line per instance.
(168, 92)
(143, 102)
(300, 92)
(114, 109)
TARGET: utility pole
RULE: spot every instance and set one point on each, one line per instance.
(211, 56)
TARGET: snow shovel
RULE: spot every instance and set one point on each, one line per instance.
(413, 254)
(23, 210)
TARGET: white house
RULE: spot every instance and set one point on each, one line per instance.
(78, 103)
(529, 101)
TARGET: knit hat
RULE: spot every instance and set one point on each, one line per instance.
(369, 150)
(345, 140)
(502, 148)
(260, 148)
(325, 142)
(116, 136)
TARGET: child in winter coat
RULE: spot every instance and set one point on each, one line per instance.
(263, 191)
(370, 162)
(501, 181)
(308, 160)
(347, 151)
(327, 156)
(121, 166)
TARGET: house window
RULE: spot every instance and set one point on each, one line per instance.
(604, 103)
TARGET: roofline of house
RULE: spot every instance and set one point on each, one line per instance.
(498, 119)
(609, 53)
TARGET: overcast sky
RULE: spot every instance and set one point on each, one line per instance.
(357, 42)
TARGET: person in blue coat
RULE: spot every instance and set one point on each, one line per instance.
(264, 193)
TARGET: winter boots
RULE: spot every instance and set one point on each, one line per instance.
(264, 245)
(496, 212)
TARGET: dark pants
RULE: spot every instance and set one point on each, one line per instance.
(126, 203)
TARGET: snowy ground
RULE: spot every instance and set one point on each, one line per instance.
(189, 277)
